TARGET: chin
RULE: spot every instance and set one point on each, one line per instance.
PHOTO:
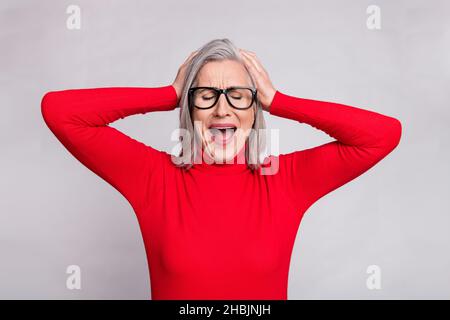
(223, 153)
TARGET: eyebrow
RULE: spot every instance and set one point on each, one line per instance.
(234, 86)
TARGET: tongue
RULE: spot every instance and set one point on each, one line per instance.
(218, 135)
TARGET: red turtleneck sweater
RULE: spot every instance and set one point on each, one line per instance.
(217, 231)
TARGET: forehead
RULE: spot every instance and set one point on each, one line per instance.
(223, 73)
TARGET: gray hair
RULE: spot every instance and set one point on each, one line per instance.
(217, 49)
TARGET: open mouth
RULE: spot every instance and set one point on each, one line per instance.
(222, 135)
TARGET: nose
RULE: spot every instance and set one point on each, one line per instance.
(222, 107)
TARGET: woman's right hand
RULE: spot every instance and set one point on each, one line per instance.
(179, 80)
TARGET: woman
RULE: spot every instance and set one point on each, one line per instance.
(215, 229)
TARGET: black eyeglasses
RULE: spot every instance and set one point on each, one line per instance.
(206, 97)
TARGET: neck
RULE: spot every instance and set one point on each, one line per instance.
(205, 163)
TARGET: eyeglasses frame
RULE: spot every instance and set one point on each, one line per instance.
(225, 92)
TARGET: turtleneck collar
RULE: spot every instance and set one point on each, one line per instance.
(235, 166)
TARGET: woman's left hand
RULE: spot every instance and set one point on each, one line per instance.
(266, 90)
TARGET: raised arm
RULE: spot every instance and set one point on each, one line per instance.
(79, 119)
(363, 138)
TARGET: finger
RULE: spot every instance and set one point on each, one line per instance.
(253, 62)
(251, 68)
(248, 59)
(256, 59)
(242, 51)
(258, 64)
(247, 51)
(191, 56)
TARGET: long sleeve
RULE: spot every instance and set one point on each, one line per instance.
(363, 138)
(79, 119)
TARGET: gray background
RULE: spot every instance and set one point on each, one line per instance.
(54, 212)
